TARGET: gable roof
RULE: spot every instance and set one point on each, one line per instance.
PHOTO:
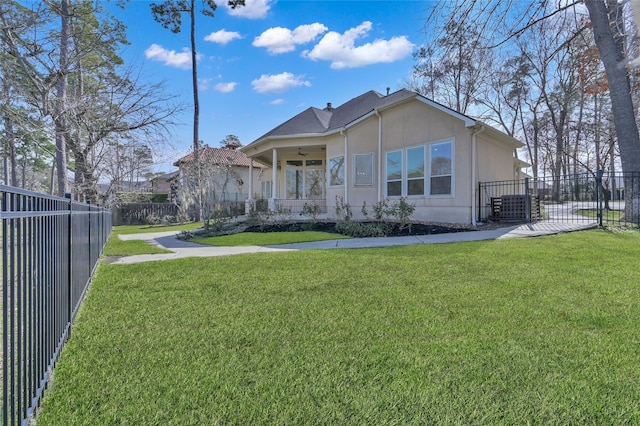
(220, 156)
(166, 176)
(315, 122)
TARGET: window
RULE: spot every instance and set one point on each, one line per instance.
(441, 168)
(415, 171)
(266, 189)
(336, 171)
(407, 170)
(363, 169)
(305, 179)
(394, 173)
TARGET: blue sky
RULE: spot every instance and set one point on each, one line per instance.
(262, 64)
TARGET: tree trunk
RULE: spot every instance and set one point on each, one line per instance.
(613, 57)
(196, 107)
(61, 100)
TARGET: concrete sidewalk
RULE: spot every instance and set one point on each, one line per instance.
(182, 249)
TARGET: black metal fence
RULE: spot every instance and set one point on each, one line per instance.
(232, 204)
(602, 198)
(50, 248)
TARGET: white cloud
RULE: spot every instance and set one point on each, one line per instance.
(277, 83)
(223, 36)
(282, 40)
(172, 58)
(253, 9)
(226, 87)
(203, 83)
(277, 101)
(341, 50)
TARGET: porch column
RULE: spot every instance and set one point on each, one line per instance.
(250, 197)
(248, 203)
(274, 175)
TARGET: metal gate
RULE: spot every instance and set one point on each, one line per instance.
(602, 198)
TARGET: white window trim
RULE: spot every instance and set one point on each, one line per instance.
(402, 173)
(453, 170)
(405, 172)
(304, 169)
(373, 177)
(344, 166)
(427, 170)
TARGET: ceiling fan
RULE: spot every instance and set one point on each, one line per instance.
(300, 153)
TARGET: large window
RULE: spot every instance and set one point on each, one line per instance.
(336, 171)
(266, 189)
(441, 168)
(363, 169)
(305, 179)
(415, 171)
(394, 173)
(407, 171)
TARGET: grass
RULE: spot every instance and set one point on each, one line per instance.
(543, 330)
(612, 216)
(118, 247)
(143, 229)
(268, 238)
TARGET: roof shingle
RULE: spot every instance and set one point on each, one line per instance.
(220, 156)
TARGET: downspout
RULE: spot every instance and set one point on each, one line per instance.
(346, 168)
(474, 160)
(379, 155)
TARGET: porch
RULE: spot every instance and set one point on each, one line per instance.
(297, 179)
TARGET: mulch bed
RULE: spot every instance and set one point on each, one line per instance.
(415, 229)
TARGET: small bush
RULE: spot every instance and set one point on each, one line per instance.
(343, 210)
(153, 219)
(363, 229)
(282, 215)
(185, 235)
(312, 210)
(364, 211)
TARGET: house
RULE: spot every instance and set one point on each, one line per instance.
(376, 147)
(165, 183)
(228, 171)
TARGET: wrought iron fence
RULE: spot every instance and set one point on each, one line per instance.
(602, 198)
(50, 248)
(232, 204)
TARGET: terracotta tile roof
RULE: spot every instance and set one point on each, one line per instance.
(220, 156)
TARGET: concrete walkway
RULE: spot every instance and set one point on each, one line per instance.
(180, 249)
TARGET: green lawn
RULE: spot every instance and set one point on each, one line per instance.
(609, 217)
(268, 238)
(143, 229)
(118, 247)
(523, 331)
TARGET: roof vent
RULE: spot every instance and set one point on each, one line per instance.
(329, 107)
(388, 88)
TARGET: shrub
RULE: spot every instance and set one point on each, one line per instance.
(343, 210)
(401, 211)
(363, 229)
(312, 210)
(153, 219)
(380, 210)
(364, 211)
(282, 215)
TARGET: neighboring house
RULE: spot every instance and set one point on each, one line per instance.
(163, 184)
(229, 170)
(377, 147)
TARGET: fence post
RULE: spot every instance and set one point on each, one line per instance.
(527, 200)
(69, 262)
(479, 201)
(599, 175)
